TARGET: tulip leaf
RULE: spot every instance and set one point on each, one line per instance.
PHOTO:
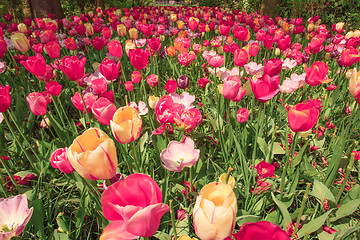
(321, 192)
(284, 211)
(38, 218)
(314, 224)
(143, 140)
(277, 149)
(326, 236)
(247, 218)
(299, 156)
(347, 209)
(60, 236)
(263, 146)
(346, 232)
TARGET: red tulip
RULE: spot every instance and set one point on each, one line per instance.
(241, 57)
(36, 65)
(303, 116)
(317, 74)
(224, 29)
(272, 67)
(154, 44)
(140, 193)
(254, 49)
(284, 43)
(70, 44)
(268, 41)
(115, 48)
(110, 69)
(260, 231)
(265, 87)
(54, 88)
(53, 49)
(5, 99)
(3, 47)
(98, 43)
(139, 58)
(171, 86)
(242, 115)
(73, 67)
(106, 33)
(241, 33)
(349, 57)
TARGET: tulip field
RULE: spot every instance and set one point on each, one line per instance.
(164, 122)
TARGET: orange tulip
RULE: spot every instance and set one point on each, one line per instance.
(20, 42)
(133, 33)
(215, 211)
(126, 125)
(93, 155)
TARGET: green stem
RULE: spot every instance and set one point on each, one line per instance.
(172, 214)
(132, 145)
(17, 140)
(347, 174)
(306, 196)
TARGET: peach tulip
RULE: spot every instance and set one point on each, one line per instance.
(215, 211)
(354, 84)
(93, 155)
(126, 125)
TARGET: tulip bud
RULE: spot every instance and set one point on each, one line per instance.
(183, 82)
(20, 41)
(152, 101)
(126, 125)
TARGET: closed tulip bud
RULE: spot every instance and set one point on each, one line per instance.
(152, 101)
(22, 28)
(37, 103)
(183, 82)
(73, 67)
(126, 125)
(5, 99)
(215, 211)
(89, 29)
(317, 74)
(36, 65)
(354, 84)
(109, 69)
(128, 46)
(103, 110)
(133, 33)
(241, 57)
(121, 30)
(60, 161)
(277, 52)
(20, 41)
(53, 49)
(93, 155)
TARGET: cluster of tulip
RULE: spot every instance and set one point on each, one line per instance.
(210, 89)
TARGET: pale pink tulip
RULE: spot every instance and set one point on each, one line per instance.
(103, 110)
(178, 155)
(14, 215)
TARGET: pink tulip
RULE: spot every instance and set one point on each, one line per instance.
(265, 87)
(37, 103)
(36, 65)
(89, 100)
(60, 161)
(103, 110)
(232, 89)
(99, 85)
(53, 87)
(242, 115)
(216, 61)
(261, 231)
(110, 69)
(178, 155)
(134, 206)
(14, 215)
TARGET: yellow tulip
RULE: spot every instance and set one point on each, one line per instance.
(215, 212)
(20, 42)
(126, 125)
(89, 29)
(121, 30)
(133, 33)
(22, 28)
(354, 84)
(93, 155)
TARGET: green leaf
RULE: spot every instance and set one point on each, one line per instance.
(247, 218)
(263, 146)
(277, 149)
(346, 232)
(60, 236)
(284, 211)
(314, 224)
(347, 209)
(299, 156)
(321, 192)
(38, 218)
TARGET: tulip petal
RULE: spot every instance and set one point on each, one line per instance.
(146, 221)
(116, 231)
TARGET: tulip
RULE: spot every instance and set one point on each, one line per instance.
(203, 82)
(178, 155)
(98, 43)
(186, 58)
(215, 211)
(242, 115)
(36, 65)
(5, 99)
(139, 58)
(60, 161)
(3, 47)
(317, 74)
(115, 48)
(103, 110)
(261, 231)
(93, 155)
(188, 119)
(73, 67)
(89, 100)
(216, 61)
(54, 88)
(272, 67)
(241, 57)
(106, 33)
(170, 86)
(183, 82)
(254, 49)
(37, 103)
(232, 89)
(303, 116)
(349, 57)
(15, 214)
(53, 49)
(20, 41)
(241, 33)
(126, 125)
(121, 30)
(354, 84)
(135, 77)
(109, 69)
(154, 44)
(70, 44)
(152, 80)
(265, 87)
(99, 85)
(133, 33)
(265, 169)
(142, 195)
